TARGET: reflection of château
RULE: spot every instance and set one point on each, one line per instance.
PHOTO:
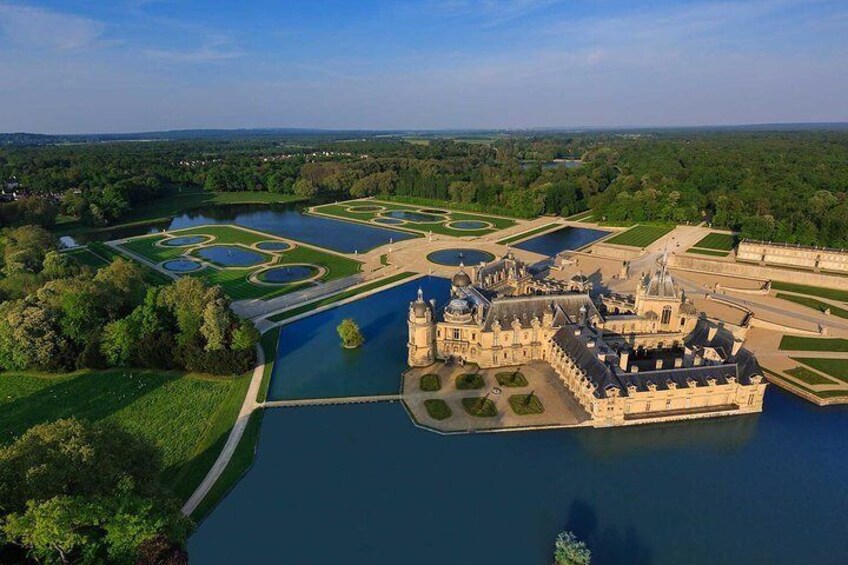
(627, 360)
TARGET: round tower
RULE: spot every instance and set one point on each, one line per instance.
(422, 332)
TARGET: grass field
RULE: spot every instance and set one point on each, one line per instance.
(235, 281)
(174, 203)
(338, 297)
(640, 235)
(829, 293)
(184, 415)
(836, 368)
(797, 343)
(710, 252)
(813, 303)
(340, 210)
(717, 241)
(527, 234)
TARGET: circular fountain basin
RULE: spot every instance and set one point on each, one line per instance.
(453, 257)
(181, 265)
(185, 241)
(389, 221)
(366, 208)
(411, 216)
(468, 225)
(288, 274)
(273, 245)
(432, 211)
(231, 256)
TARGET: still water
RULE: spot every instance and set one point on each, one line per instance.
(563, 239)
(286, 220)
(362, 484)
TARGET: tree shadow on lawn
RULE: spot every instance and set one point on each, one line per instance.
(90, 396)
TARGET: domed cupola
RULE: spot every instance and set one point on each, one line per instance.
(419, 307)
(458, 311)
(461, 279)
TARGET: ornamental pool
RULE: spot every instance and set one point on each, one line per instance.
(362, 484)
(563, 239)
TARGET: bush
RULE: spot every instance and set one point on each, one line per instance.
(469, 381)
(430, 382)
(438, 409)
(480, 407)
(511, 379)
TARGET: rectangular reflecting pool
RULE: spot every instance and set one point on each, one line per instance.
(362, 484)
(311, 363)
(564, 239)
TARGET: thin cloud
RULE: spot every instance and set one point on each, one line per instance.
(22, 26)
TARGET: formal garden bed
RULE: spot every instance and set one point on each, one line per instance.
(438, 409)
(513, 379)
(526, 404)
(430, 382)
(469, 381)
(480, 407)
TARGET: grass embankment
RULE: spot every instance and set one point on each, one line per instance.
(809, 377)
(527, 234)
(302, 309)
(836, 368)
(640, 235)
(186, 416)
(175, 203)
(814, 304)
(269, 347)
(829, 293)
(824, 394)
(361, 210)
(797, 343)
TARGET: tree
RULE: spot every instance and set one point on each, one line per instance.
(217, 320)
(119, 341)
(351, 335)
(570, 551)
(245, 336)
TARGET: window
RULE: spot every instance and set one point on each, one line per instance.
(456, 334)
(473, 336)
(666, 315)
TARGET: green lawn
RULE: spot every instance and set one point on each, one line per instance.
(186, 416)
(805, 375)
(269, 347)
(430, 382)
(640, 235)
(836, 368)
(527, 234)
(829, 293)
(797, 343)
(524, 404)
(513, 379)
(480, 407)
(461, 206)
(341, 210)
(302, 309)
(718, 241)
(708, 252)
(813, 303)
(469, 381)
(437, 409)
(87, 258)
(824, 394)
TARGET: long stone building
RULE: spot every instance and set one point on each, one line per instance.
(818, 259)
(627, 360)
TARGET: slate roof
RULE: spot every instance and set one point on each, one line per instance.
(565, 308)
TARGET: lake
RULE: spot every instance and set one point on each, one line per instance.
(567, 238)
(285, 220)
(362, 484)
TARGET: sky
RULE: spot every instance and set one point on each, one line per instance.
(88, 66)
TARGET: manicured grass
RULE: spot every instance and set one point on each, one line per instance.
(240, 463)
(438, 409)
(269, 347)
(152, 276)
(448, 204)
(348, 210)
(236, 285)
(640, 235)
(829, 293)
(86, 257)
(225, 233)
(813, 303)
(805, 375)
(511, 379)
(430, 382)
(708, 252)
(836, 368)
(798, 343)
(524, 404)
(469, 381)
(339, 296)
(183, 415)
(718, 241)
(146, 247)
(480, 407)
(527, 234)
(823, 394)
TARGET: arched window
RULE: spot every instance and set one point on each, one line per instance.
(666, 315)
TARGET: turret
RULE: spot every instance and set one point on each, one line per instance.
(422, 330)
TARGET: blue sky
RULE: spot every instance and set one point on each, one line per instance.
(136, 65)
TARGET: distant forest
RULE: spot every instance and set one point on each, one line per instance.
(789, 186)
